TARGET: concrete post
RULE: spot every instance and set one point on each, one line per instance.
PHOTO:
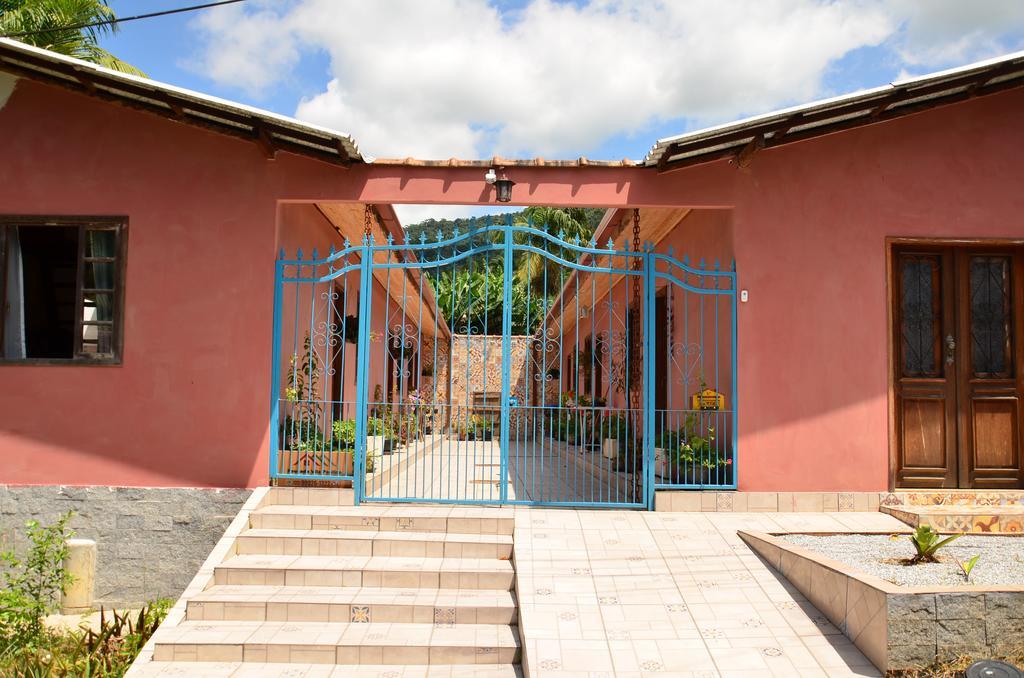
(81, 564)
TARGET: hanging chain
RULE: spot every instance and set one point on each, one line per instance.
(635, 359)
(636, 260)
(635, 315)
(367, 222)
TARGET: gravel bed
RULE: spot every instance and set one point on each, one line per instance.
(1001, 562)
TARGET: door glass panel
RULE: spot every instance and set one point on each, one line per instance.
(920, 306)
(990, 316)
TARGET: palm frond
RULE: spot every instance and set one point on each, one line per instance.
(61, 26)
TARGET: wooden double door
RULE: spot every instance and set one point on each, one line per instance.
(958, 335)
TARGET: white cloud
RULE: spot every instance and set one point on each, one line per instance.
(955, 31)
(460, 78)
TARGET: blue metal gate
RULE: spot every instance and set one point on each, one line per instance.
(505, 364)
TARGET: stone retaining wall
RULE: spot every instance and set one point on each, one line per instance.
(901, 627)
(150, 541)
(926, 626)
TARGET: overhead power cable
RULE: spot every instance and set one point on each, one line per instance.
(121, 20)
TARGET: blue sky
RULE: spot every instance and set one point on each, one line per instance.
(602, 79)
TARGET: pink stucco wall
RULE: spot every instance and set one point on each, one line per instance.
(189, 405)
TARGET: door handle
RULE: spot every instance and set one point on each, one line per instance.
(950, 349)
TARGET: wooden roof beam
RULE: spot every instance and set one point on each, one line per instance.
(746, 154)
(264, 140)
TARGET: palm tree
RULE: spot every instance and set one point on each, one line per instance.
(567, 223)
(55, 25)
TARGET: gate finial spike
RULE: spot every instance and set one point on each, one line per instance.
(298, 254)
(718, 266)
(423, 237)
(455, 232)
(702, 262)
(281, 254)
(686, 260)
(440, 235)
(508, 219)
(315, 253)
(671, 251)
(611, 244)
(391, 239)
(331, 251)
(347, 243)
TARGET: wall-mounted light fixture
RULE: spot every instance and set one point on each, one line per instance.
(503, 186)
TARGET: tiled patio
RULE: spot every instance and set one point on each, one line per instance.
(550, 471)
(599, 593)
(619, 593)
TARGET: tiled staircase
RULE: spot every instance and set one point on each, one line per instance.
(951, 511)
(368, 588)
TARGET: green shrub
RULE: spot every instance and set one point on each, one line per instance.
(345, 432)
(33, 585)
(375, 426)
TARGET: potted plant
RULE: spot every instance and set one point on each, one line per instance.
(302, 446)
(615, 433)
(698, 461)
(482, 427)
(377, 439)
(343, 454)
(665, 443)
(464, 430)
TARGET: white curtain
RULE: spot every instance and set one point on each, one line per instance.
(14, 304)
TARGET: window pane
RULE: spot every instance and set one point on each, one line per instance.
(99, 275)
(990, 316)
(919, 315)
(101, 243)
(98, 306)
(97, 339)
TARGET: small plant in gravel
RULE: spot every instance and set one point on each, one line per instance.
(967, 565)
(927, 542)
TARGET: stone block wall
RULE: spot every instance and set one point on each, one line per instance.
(150, 541)
(924, 627)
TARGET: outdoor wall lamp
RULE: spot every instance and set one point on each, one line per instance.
(504, 187)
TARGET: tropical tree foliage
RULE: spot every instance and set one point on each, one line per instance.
(566, 224)
(470, 292)
(57, 25)
(472, 300)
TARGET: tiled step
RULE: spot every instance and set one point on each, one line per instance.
(378, 605)
(311, 496)
(330, 643)
(364, 571)
(458, 520)
(931, 498)
(260, 670)
(266, 541)
(951, 518)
